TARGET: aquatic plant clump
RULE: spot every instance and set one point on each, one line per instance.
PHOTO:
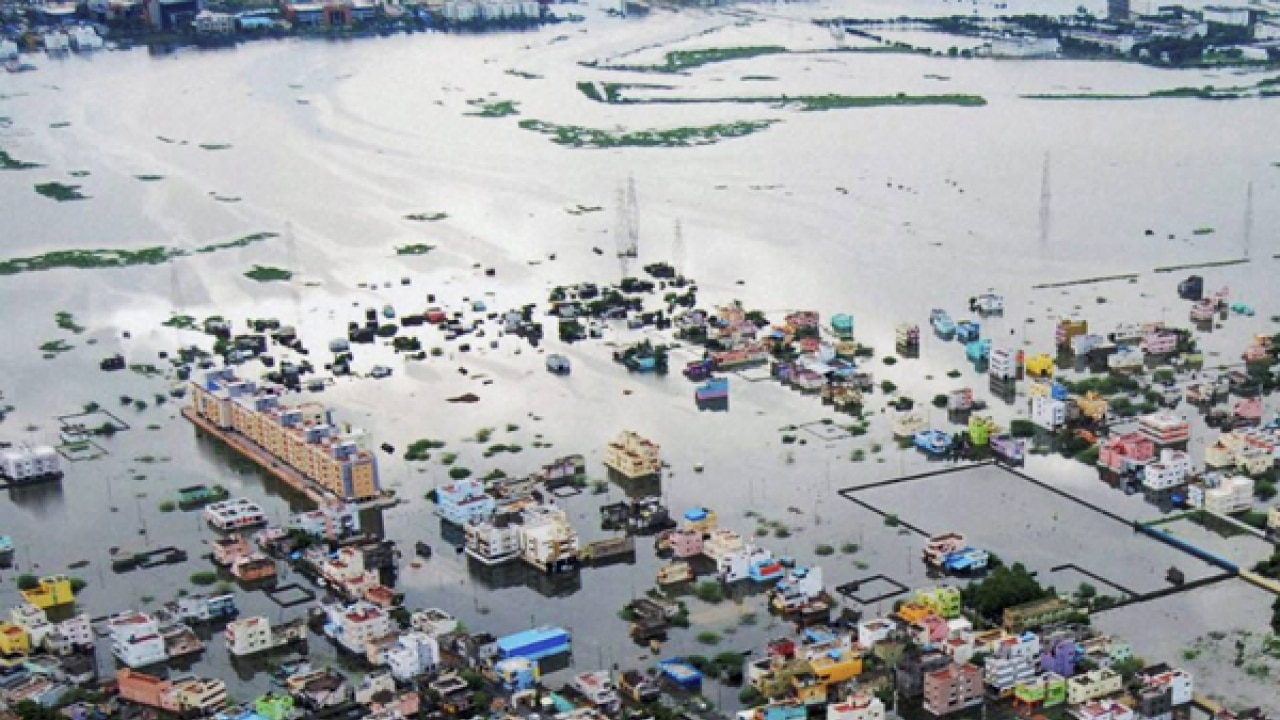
(60, 191)
(493, 108)
(584, 137)
(83, 259)
(7, 162)
(416, 249)
(266, 273)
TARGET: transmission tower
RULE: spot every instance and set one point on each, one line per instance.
(628, 230)
(291, 258)
(1248, 219)
(1046, 200)
(678, 252)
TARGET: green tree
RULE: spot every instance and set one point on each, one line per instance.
(1275, 616)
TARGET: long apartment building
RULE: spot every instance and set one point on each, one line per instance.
(304, 437)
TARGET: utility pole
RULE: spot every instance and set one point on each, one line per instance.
(1248, 219)
(1046, 199)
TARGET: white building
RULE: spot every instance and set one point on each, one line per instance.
(24, 462)
(1235, 15)
(1023, 46)
(492, 540)
(433, 621)
(1013, 659)
(1179, 683)
(413, 654)
(55, 42)
(352, 627)
(547, 540)
(247, 636)
(84, 38)
(212, 23)
(136, 640)
(1273, 518)
(346, 569)
(871, 632)
(1002, 364)
(33, 620)
(599, 690)
(1048, 413)
(859, 706)
(372, 685)
(1222, 495)
(8, 50)
(1171, 470)
(77, 630)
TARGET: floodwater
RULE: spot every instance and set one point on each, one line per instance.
(883, 213)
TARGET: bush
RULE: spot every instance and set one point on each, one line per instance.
(459, 473)
(168, 506)
(27, 581)
(824, 550)
(709, 637)
(1264, 490)
(849, 548)
(750, 697)
(890, 360)
(891, 520)
(1022, 428)
(887, 387)
(939, 401)
(709, 592)
(203, 578)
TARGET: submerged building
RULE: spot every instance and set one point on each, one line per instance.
(304, 437)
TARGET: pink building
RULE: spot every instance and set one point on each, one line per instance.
(1164, 428)
(686, 543)
(1248, 411)
(1120, 453)
(931, 630)
(1160, 343)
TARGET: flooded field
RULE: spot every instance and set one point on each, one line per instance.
(883, 212)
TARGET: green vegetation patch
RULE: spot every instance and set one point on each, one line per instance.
(60, 191)
(419, 450)
(7, 162)
(583, 137)
(149, 178)
(83, 259)
(215, 146)
(493, 108)
(266, 273)
(238, 242)
(88, 259)
(67, 321)
(181, 322)
(416, 249)
(51, 348)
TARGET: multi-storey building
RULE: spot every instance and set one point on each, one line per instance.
(1092, 685)
(1169, 472)
(952, 688)
(633, 456)
(303, 437)
(1164, 428)
(1015, 658)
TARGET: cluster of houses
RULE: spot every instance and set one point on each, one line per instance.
(80, 25)
(800, 352)
(509, 518)
(1035, 661)
(699, 541)
(305, 438)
